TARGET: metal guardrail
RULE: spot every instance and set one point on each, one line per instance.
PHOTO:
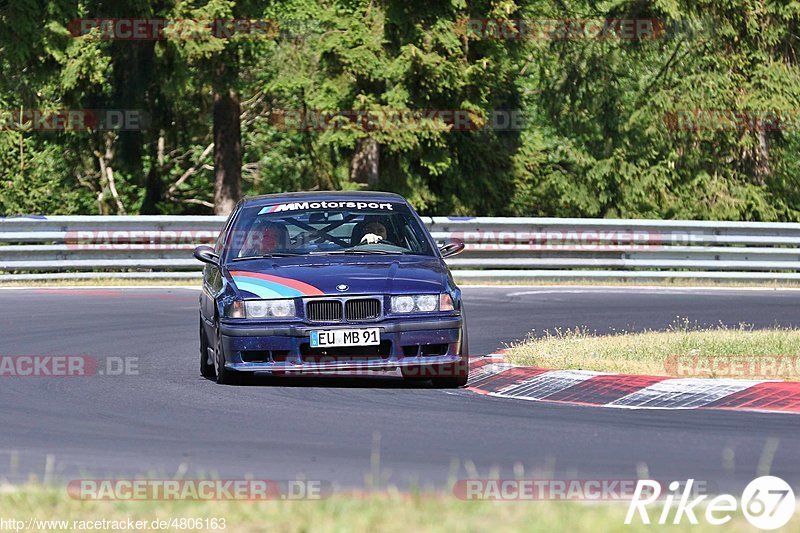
(497, 248)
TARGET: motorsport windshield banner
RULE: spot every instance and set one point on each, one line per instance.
(297, 206)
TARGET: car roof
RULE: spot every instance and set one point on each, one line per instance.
(311, 196)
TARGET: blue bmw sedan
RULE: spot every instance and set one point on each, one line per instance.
(330, 282)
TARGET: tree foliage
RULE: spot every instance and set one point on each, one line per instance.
(700, 120)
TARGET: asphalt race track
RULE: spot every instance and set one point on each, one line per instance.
(168, 420)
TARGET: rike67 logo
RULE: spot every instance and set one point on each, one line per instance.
(767, 502)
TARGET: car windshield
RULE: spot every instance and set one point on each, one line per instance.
(327, 228)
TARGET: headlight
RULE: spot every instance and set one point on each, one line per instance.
(427, 303)
(422, 303)
(268, 308)
(402, 304)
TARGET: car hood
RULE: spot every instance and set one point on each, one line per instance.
(302, 277)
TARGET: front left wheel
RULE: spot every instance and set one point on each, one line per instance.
(207, 369)
(457, 374)
(225, 376)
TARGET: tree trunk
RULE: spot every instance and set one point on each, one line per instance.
(227, 142)
(762, 162)
(364, 167)
(153, 190)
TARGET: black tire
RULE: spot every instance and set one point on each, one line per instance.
(416, 373)
(206, 370)
(224, 376)
(456, 375)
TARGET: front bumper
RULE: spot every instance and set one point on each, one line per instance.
(284, 348)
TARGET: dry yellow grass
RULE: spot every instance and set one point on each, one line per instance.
(682, 350)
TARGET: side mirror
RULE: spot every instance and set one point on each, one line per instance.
(206, 255)
(452, 247)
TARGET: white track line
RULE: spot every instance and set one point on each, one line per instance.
(546, 384)
(689, 393)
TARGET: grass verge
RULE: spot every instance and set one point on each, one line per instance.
(342, 512)
(681, 351)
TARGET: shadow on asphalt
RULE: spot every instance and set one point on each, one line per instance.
(342, 382)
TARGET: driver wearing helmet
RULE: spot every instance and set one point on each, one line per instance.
(265, 237)
(371, 233)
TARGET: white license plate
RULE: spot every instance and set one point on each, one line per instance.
(345, 337)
